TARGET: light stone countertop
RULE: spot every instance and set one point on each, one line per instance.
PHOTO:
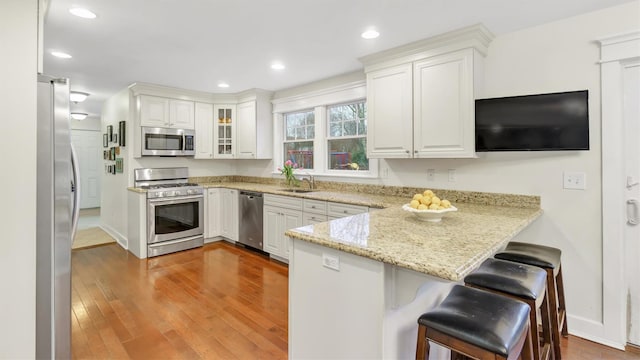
(449, 249)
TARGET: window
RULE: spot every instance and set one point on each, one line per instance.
(299, 132)
(347, 137)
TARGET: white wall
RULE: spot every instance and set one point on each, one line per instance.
(558, 56)
(86, 124)
(18, 40)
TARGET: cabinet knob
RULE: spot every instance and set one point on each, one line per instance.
(415, 151)
(408, 151)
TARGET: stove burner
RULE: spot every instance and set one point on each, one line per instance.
(164, 186)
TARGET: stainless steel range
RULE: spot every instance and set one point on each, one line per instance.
(175, 210)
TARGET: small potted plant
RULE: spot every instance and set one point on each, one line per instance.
(287, 170)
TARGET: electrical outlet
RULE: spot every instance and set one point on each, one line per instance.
(431, 174)
(385, 172)
(331, 262)
(574, 180)
(452, 175)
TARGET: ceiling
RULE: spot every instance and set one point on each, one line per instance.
(196, 44)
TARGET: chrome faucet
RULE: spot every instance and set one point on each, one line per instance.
(310, 180)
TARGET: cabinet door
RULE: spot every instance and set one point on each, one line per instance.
(390, 113)
(444, 124)
(271, 225)
(290, 219)
(181, 114)
(246, 134)
(154, 111)
(230, 214)
(213, 217)
(204, 131)
(224, 131)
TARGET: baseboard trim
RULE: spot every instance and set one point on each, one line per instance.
(592, 331)
(633, 349)
(120, 239)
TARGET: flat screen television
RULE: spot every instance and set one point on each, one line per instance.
(542, 122)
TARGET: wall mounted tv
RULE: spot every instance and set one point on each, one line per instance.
(542, 122)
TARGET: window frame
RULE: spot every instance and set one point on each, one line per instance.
(348, 91)
(284, 135)
(327, 138)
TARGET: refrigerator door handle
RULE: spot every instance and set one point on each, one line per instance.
(75, 188)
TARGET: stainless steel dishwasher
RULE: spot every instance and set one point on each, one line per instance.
(250, 208)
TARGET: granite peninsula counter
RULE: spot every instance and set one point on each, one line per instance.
(358, 284)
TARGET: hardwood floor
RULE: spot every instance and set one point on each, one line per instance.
(215, 302)
(218, 301)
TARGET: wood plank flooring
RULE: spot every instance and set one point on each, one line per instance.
(219, 301)
(215, 302)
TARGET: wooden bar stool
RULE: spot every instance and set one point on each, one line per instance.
(522, 282)
(547, 258)
(478, 324)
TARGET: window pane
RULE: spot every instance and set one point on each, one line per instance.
(344, 152)
(347, 120)
(300, 152)
(296, 125)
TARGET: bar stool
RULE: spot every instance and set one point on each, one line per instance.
(478, 324)
(547, 258)
(521, 282)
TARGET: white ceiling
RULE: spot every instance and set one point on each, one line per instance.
(195, 44)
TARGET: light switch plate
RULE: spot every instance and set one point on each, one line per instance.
(574, 180)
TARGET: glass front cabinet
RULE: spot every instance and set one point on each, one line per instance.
(224, 132)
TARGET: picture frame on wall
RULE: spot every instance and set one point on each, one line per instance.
(110, 132)
(119, 165)
(122, 132)
(115, 137)
(105, 140)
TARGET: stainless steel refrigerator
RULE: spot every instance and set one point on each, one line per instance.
(57, 217)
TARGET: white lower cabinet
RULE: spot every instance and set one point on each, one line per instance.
(280, 213)
(229, 210)
(212, 225)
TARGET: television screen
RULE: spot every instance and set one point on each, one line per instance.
(557, 121)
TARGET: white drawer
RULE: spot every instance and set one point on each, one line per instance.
(283, 201)
(342, 210)
(314, 206)
(309, 218)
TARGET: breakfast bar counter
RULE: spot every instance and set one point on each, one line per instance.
(358, 284)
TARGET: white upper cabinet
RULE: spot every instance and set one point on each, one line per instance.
(181, 114)
(443, 106)
(420, 96)
(254, 131)
(389, 92)
(246, 144)
(154, 111)
(204, 131)
(224, 132)
(167, 113)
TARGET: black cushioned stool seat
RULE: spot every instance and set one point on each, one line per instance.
(547, 258)
(522, 282)
(478, 324)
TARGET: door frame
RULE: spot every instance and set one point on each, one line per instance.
(616, 51)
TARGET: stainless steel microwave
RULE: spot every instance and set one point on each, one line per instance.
(167, 142)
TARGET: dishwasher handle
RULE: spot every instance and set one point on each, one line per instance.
(250, 194)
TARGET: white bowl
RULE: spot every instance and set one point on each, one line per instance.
(428, 215)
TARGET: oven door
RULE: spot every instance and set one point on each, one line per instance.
(174, 218)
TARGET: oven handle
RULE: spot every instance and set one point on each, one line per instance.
(177, 241)
(175, 200)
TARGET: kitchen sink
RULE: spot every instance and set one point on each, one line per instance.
(297, 190)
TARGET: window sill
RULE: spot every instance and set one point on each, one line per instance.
(350, 174)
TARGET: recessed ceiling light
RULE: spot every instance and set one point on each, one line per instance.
(223, 85)
(370, 34)
(78, 97)
(78, 116)
(277, 66)
(61, 55)
(83, 13)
